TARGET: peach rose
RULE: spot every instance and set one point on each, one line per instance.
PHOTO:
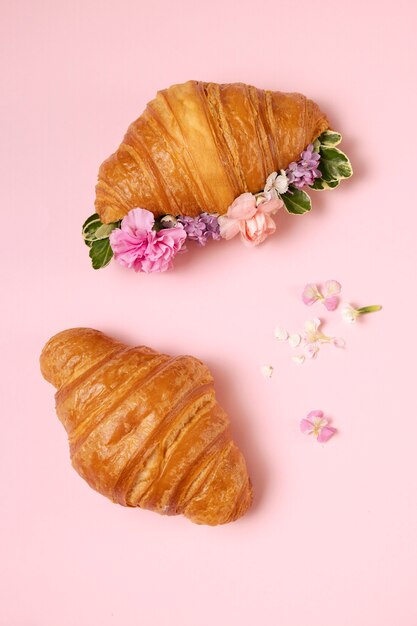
(252, 221)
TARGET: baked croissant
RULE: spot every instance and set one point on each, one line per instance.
(198, 146)
(145, 429)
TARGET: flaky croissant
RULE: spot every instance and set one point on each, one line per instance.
(198, 146)
(145, 429)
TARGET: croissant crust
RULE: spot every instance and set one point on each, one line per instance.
(198, 145)
(145, 428)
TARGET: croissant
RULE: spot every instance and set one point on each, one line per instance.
(145, 429)
(198, 146)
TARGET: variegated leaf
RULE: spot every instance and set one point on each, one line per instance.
(334, 164)
(330, 138)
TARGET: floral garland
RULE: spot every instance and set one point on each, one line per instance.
(146, 244)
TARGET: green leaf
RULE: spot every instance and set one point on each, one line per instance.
(100, 253)
(296, 202)
(89, 228)
(331, 184)
(330, 138)
(321, 185)
(334, 165)
(104, 230)
(316, 145)
(94, 229)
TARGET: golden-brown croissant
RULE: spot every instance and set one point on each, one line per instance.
(198, 146)
(145, 429)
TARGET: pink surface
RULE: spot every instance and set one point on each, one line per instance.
(331, 539)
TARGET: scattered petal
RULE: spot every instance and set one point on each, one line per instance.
(299, 359)
(329, 297)
(317, 425)
(306, 427)
(313, 414)
(267, 371)
(311, 334)
(311, 351)
(331, 288)
(325, 433)
(294, 340)
(311, 294)
(280, 334)
(312, 325)
(331, 303)
(339, 342)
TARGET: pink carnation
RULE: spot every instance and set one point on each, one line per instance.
(135, 244)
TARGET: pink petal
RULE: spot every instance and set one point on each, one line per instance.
(257, 229)
(243, 208)
(306, 427)
(325, 434)
(174, 236)
(331, 303)
(140, 220)
(331, 288)
(310, 294)
(271, 206)
(229, 228)
(313, 414)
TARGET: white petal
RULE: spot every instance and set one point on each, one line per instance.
(339, 342)
(270, 180)
(299, 359)
(332, 288)
(281, 334)
(312, 325)
(267, 371)
(311, 351)
(319, 421)
(294, 340)
(281, 183)
(349, 314)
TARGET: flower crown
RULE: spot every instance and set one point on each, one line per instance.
(146, 244)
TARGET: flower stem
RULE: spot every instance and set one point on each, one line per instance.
(369, 309)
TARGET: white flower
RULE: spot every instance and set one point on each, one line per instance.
(276, 184)
(349, 313)
(312, 334)
(267, 371)
(313, 338)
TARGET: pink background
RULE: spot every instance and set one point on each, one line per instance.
(331, 539)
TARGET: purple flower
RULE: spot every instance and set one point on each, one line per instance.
(305, 170)
(201, 228)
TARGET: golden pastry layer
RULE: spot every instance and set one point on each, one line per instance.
(198, 146)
